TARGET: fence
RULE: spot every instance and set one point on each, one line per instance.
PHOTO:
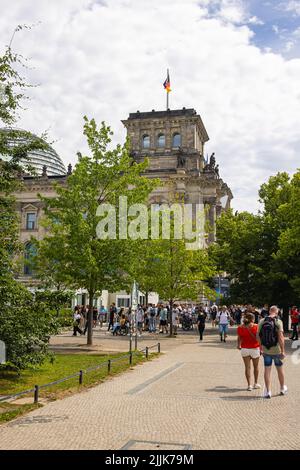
(81, 373)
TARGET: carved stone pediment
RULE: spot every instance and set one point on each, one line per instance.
(29, 208)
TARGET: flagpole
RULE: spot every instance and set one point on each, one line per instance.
(167, 92)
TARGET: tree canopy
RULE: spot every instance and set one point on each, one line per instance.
(260, 252)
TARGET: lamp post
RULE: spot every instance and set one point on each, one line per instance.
(224, 202)
(134, 305)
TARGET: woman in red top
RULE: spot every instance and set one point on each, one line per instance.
(295, 321)
(250, 348)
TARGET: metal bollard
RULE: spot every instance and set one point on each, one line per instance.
(147, 352)
(135, 342)
(158, 347)
(36, 394)
(108, 366)
(80, 377)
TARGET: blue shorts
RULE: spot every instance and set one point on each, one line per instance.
(223, 328)
(269, 358)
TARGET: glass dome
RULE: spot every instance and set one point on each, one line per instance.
(38, 158)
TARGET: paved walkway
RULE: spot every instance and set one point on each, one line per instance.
(193, 396)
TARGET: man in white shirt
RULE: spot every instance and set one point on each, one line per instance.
(175, 318)
(223, 318)
(139, 320)
(76, 318)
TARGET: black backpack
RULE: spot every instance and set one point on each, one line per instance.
(268, 333)
(152, 312)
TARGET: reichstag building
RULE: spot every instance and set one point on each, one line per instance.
(173, 141)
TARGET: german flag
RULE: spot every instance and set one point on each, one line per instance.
(167, 84)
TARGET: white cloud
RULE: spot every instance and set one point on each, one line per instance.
(296, 33)
(108, 59)
(289, 46)
(256, 21)
(233, 11)
(292, 6)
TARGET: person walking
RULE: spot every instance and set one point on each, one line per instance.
(140, 315)
(76, 322)
(95, 316)
(213, 315)
(163, 314)
(175, 319)
(152, 318)
(112, 313)
(249, 346)
(238, 315)
(88, 312)
(223, 318)
(294, 323)
(270, 335)
(102, 315)
(264, 311)
(201, 322)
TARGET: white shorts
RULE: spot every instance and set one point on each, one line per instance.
(254, 353)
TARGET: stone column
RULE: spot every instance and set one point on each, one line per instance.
(218, 210)
(210, 203)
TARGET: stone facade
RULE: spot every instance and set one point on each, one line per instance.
(174, 141)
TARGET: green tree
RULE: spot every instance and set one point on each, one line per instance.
(73, 245)
(55, 299)
(168, 262)
(13, 158)
(176, 272)
(289, 239)
(239, 253)
(25, 325)
(253, 249)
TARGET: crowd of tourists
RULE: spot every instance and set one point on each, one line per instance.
(259, 330)
(152, 318)
(156, 318)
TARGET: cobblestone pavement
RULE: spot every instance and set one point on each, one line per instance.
(193, 396)
(103, 340)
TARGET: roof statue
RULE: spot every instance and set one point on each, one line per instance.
(181, 158)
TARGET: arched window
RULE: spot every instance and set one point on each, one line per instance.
(161, 140)
(176, 140)
(146, 141)
(29, 254)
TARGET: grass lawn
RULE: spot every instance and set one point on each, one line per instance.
(9, 411)
(64, 365)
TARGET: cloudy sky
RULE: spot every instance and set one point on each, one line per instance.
(237, 62)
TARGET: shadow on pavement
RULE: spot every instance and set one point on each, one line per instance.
(225, 389)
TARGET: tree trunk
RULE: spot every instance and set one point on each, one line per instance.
(90, 320)
(146, 297)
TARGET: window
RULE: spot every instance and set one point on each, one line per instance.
(30, 253)
(123, 302)
(146, 141)
(31, 221)
(176, 140)
(161, 140)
